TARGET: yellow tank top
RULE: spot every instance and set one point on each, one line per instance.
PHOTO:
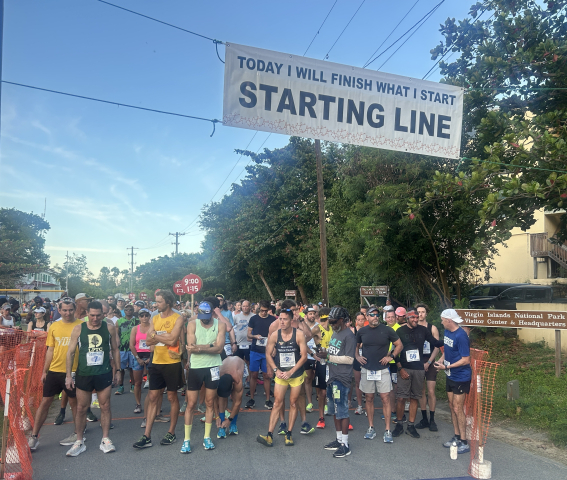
(164, 325)
(395, 327)
(325, 336)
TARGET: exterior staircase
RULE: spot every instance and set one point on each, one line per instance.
(541, 246)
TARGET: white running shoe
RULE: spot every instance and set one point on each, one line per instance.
(70, 440)
(33, 442)
(107, 446)
(77, 448)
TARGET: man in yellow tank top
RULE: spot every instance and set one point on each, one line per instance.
(322, 334)
(165, 368)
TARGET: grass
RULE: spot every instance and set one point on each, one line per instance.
(543, 396)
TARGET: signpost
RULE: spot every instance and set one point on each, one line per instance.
(192, 284)
(132, 296)
(178, 288)
(143, 296)
(291, 293)
(382, 291)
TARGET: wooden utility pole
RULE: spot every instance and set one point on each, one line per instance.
(557, 353)
(322, 226)
(176, 243)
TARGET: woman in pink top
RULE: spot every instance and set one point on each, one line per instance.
(141, 354)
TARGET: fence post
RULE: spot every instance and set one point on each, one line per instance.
(5, 430)
(557, 353)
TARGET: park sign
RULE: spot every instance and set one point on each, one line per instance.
(381, 291)
(514, 319)
(294, 95)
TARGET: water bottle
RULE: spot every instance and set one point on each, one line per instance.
(453, 450)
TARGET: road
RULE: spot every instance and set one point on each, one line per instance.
(240, 457)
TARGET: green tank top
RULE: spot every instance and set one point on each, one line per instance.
(205, 336)
(94, 351)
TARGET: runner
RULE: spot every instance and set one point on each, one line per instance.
(40, 322)
(230, 344)
(138, 305)
(165, 368)
(340, 357)
(322, 335)
(429, 355)
(127, 361)
(120, 303)
(141, 353)
(95, 371)
(290, 349)
(53, 377)
(230, 385)
(391, 320)
(205, 342)
(311, 317)
(241, 321)
(456, 363)
(6, 319)
(411, 375)
(258, 330)
(374, 341)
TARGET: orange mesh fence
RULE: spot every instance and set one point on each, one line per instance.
(470, 401)
(22, 355)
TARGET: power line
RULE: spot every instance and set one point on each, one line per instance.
(390, 34)
(214, 121)
(319, 29)
(341, 34)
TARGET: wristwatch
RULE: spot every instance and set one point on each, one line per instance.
(211, 345)
(275, 370)
(230, 419)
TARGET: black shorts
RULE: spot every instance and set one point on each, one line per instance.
(55, 384)
(243, 353)
(457, 388)
(197, 376)
(309, 364)
(356, 365)
(97, 383)
(320, 376)
(431, 374)
(164, 375)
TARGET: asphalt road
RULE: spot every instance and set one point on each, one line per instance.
(240, 457)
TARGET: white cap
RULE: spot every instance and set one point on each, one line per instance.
(451, 314)
(388, 308)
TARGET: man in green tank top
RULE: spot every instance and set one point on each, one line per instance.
(96, 340)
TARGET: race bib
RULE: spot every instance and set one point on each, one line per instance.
(360, 352)
(94, 358)
(161, 332)
(243, 347)
(412, 355)
(246, 373)
(426, 347)
(228, 349)
(373, 375)
(142, 345)
(262, 342)
(287, 360)
(215, 373)
(394, 377)
(327, 374)
(447, 372)
(336, 393)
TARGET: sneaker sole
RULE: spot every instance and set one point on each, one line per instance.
(331, 449)
(147, 445)
(107, 451)
(289, 444)
(342, 456)
(307, 433)
(78, 453)
(185, 452)
(369, 438)
(170, 443)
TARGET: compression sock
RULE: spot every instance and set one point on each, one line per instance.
(221, 416)
(339, 436)
(345, 440)
(62, 411)
(188, 429)
(424, 415)
(234, 420)
(208, 430)
(431, 415)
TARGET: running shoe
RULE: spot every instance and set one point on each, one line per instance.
(161, 419)
(423, 423)
(183, 407)
(260, 382)
(392, 416)
(398, 430)
(131, 388)
(350, 427)
(202, 408)
(169, 439)
(283, 429)
(120, 390)
(269, 404)
(203, 419)
(358, 410)
(433, 426)
(333, 445)
(462, 448)
(59, 419)
(288, 440)
(77, 448)
(186, 447)
(388, 437)
(221, 433)
(107, 446)
(143, 424)
(70, 440)
(233, 430)
(266, 440)
(306, 429)
(95, 404)
(342, 451)
(138, 408)
(208, 444)
(147, 384)
(181, 390)
(321, 423)
(250, 403)
(450, 442)
(33, 442)
(91, 417)
(370, 434)
(327, 410)
(144, 442)
(309, 408)
(412, 432)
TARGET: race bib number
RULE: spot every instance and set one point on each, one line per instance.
(262, 342)
(447, 372)
(412, 355)
(161, 332)
(426, 347)
(243, 347)
(94, 358)
(142, 345)
(215, 373)
(228, 349)
(287, 360)
(336, 393)
(327, 374)
(373, 375)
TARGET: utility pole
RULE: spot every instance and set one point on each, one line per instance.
(322, 226)
(132, 266)
(176, 243)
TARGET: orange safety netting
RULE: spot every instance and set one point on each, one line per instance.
(22, 355)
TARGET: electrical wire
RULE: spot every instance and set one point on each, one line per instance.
(319, 29)
(344, 29)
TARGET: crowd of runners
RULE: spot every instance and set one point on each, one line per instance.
(216, 350)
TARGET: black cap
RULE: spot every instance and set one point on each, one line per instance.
(139, 303)
(38, 299)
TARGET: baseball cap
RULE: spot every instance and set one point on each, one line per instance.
(139, 303)
(118, 299)
(144, 310)
(220, 295)
(82, 295)
(310, 309)
(371, 310)
(388, 308)
(40, 310)
(6, 306)
(205, 311)
(451, 314)
(401, 312)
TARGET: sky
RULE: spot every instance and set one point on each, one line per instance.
(115, 177)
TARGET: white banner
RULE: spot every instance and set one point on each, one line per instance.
(294, 95)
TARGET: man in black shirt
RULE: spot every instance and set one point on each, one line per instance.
(411, 374)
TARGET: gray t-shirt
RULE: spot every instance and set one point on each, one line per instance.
(342, 343)
(241, 328)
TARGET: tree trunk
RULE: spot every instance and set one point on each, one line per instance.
(302, 293)
(261, 275)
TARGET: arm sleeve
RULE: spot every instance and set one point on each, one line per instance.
(341, 359)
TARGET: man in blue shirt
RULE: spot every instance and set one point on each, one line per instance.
(455, 362)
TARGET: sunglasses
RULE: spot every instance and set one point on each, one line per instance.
(263, 310)
(144, 315)
(372, 314)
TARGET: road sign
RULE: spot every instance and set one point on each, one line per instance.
(290, 293)
(192, 283)
(382, 291)
(143, 296)
(514, 319)
(132, 296)
(178, 288)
